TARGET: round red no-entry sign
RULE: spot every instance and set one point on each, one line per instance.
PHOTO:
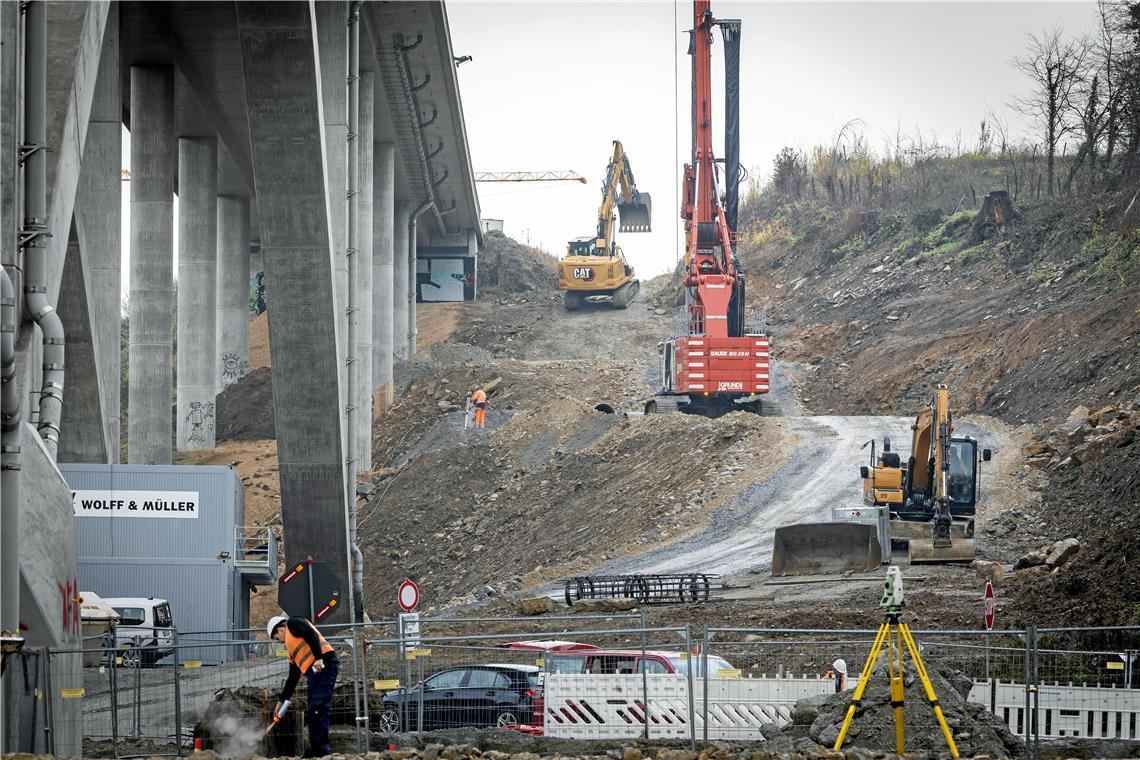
(408, 595)
(991, 606)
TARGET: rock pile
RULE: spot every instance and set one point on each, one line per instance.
(816, 721)
(1050, 557)
(1085, 436)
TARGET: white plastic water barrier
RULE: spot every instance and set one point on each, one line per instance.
(614, 707)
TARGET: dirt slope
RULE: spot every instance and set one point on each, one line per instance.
(554, 486)
(881, 305)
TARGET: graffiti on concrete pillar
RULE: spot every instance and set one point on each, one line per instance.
(69, 602)
(234, 368)
(257, 301)
(201, 420)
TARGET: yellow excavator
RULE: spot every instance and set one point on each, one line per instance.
(933, 497)
(931, 500)
(595, 269)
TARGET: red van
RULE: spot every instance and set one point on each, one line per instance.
(572, 657)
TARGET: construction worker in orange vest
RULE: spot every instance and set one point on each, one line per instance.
(479, 399)
(312, 656)
(839, 673)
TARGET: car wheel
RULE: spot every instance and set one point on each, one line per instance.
(506, 718)
(130, 657)
(389, 720)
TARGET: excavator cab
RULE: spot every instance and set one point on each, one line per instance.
(634, 215)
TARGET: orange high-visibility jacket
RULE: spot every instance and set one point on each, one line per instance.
(300, 653)
(479, 397)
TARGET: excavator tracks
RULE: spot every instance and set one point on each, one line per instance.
(619, 298)
(624, 295)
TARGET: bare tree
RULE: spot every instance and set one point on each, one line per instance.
(1055, 65)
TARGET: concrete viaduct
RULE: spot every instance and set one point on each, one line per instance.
(324, 138)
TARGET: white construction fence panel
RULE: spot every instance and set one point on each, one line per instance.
(613, 706)
(1096, 712)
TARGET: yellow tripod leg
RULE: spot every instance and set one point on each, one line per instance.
(920, 667)
(898, 690)
(864, 677)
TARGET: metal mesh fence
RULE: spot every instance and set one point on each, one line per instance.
(579, 676)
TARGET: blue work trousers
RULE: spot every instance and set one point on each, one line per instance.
(319, 706)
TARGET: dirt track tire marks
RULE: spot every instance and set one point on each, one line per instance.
(821, 474)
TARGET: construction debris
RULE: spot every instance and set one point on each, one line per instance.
(1052, 556)
(234, 725)
(539, 605)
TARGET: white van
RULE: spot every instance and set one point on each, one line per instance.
(145, 631)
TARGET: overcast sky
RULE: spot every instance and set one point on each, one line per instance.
(553, 83)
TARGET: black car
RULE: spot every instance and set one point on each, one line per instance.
(475, 695)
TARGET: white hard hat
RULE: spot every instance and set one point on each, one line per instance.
(274, 621)
(840, 666)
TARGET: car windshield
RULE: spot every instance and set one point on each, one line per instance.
(560, 664)
(680, 664)
(131, 615)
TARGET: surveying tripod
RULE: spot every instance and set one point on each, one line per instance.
(895, 634)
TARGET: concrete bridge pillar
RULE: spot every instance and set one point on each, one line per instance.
(149, 433)
(289, 145)
(412, 263)
(383, 225)
(332, 45)
(197, 280)
(232, 290)
(98, 214)
(400, 257)
(363, 402)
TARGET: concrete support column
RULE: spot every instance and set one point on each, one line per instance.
(400, 281)
(149, 433)
(232, 288)
(363, 402)
(289, 148)
(383, 226)
(197, 281)
(412, 263)
(332, 44)
(98, 213)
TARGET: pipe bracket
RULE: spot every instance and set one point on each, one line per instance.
(27, 150)
(431, 120)
(29, 236)
(413, 46)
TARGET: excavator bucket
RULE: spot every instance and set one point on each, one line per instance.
(923, 551)
(635, 215)
(825, 549)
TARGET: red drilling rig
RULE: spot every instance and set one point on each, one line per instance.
(718, 359)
